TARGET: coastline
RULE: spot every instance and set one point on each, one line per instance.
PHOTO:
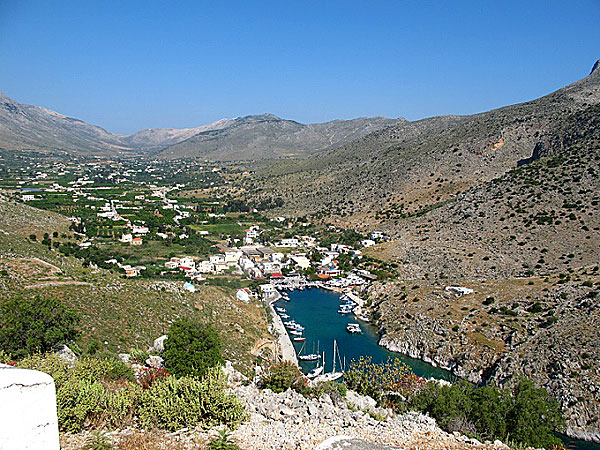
(287, 352)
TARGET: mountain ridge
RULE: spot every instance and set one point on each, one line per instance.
(28, 127)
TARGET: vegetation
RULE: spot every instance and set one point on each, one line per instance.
(282, 376)
(192, 348)
(98, 393)
(381, 381)
(31, 325)
(527, 415)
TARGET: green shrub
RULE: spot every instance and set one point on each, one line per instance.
(377, 380)
(138, 356)
(192, 348)
(222, 442)
(282, 376)
(528, 416)
(186, 402)
(35, 325)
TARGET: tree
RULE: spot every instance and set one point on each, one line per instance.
(192, 348)
(35, 325)
(534, 415)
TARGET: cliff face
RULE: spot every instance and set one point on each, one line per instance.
(545, 329)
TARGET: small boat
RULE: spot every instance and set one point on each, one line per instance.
(309, 357)
(296, 333)
(299, 339)
(353, 328)
(315, 372)
(344, 310)
(279, 309)
(299, 328)
(285, 316)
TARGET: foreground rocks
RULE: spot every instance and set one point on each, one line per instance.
(290, 421)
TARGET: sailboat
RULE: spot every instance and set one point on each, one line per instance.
(317, 370)
(333, 375)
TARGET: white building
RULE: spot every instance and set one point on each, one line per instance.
(301, 261)
(290, 242)
(268, 291)
(243, 295)
(27, 197)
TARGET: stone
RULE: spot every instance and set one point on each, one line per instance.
(158, 345)
(155, 362)
(28, 415)
(66, 354)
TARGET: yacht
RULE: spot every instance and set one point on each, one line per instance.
(353, 328)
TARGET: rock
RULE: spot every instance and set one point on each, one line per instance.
(66, 354)
(233, 375)
(362, 402)
(155, 362)
(158, 345)
(349, 443)
(125, 357)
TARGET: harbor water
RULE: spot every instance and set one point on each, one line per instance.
(316, 310)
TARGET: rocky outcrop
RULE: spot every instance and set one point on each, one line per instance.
(289, 420)
(550, 338)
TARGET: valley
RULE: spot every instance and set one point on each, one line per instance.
(472, 240)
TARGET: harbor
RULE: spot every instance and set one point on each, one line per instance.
(316, 311)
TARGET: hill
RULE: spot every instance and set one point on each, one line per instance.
(117, 314)
(268, 136)
(33, 128)
(405, 168)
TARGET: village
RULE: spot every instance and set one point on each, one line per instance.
(171, 220)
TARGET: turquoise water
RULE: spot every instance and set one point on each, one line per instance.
(316, 310)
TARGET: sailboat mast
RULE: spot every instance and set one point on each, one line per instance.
(334, 345)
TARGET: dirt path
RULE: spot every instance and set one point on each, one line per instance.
(57, 283)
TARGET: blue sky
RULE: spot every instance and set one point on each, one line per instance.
(129, 65)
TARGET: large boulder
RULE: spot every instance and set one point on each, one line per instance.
(66, 354)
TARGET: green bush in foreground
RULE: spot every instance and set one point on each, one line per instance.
(33, 325)
(174, 403)
(97, 393)
(528, 415)
(281, 376)
(192, 348)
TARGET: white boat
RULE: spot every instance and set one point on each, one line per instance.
(353, 328)
(279, 309)
(296, 332)
(285, 316)
(315, 372)
(333, 375)
(309, 357)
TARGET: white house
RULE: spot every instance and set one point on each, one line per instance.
(136, 229)
(217, 259)
(290, 242)
(459, 290)
(268, 290)
(301, 261)
(27, 197)
(367, 243)
(233, 255)
(205, 267)
(243, 295)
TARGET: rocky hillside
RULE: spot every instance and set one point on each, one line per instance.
(268, 136)
(33, 128)
(413, 166)
(542, 327)
(26, 127)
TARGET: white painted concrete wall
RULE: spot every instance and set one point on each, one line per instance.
(27, 410)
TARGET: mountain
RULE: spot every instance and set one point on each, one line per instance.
(268, 136)
(410, 167)
(25, 127)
